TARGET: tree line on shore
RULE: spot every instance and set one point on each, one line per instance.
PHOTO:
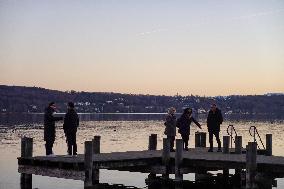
(35, 99)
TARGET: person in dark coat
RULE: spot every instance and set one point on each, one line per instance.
(170, 129)
(71, 123)
(183, 123)
(49, 127)
(214, 120)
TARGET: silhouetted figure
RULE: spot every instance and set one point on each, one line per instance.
(71, 123)
(214, 120)
(49, 127)
(183, 123)
(170, 129)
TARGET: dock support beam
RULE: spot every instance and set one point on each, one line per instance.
(152, 146)
(96, 150)
(178, 160)
(166, 157)
(251, 165)
(26, 151)
(268, 145)
(88, 164)
(238, 150)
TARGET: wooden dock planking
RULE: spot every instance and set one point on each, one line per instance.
(146, 161)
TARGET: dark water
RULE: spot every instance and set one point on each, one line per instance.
(121, 133)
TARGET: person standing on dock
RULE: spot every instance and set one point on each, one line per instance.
(71, 123)
(170, 129)
(49, 127)
(183, 123)
(214, 120)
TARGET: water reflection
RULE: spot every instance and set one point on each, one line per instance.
(116, 136)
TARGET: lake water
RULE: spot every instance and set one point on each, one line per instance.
(120, 135)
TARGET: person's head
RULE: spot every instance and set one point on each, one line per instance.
(70, 105)
(213, 107)
(187, 111)
(171, 110)
(52, 105)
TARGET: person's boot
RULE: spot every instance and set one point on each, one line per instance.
(219, 150)
(186, 148)
(210, 150)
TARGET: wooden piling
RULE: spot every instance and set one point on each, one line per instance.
(152, 142)
(268, 145)
(26, 151)
(178, 160)
(238, 150)
(203, 139)
(97, 145)
(226, 144)
(238, 144)
(88, 164)
(197, 139)
(166, 157)
(152, 146)
(96, 150)
(251, 165)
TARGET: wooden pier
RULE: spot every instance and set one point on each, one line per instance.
(197, 160)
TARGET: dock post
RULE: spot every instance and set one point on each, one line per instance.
(96, 150)
(197, 139)
(178, 160)
(251, 165)
(88, 164)
(166, 157)
(238, 150)
(226, 144)
(26, 151)
(152, 142)
(203, 139)
(268, 145)
(152, 146)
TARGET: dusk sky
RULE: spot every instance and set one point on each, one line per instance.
(144, 46)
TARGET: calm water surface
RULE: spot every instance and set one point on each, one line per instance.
(116, 136)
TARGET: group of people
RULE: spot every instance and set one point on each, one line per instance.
(70, 125)
(214, 120)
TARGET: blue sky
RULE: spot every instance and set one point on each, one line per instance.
(149, 47)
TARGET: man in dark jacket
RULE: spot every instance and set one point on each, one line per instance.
(170, 129)
(214, 120)
(183, 123)
(71, 123)
(49, 127)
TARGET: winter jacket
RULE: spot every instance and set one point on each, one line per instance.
(71, 122)
(184, 122)
(170, 124)
(214, 120)
(49, 124)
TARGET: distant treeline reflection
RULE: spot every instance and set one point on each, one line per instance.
(12, 119)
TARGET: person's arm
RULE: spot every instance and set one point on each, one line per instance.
(221, 117)
(196, 123)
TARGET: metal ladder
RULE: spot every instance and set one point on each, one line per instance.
(254, 134)
(231, 130)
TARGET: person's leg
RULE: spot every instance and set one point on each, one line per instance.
(218, 140)
(74, 144)
(48, 150)
(69, 143)
(211, 141)
(186, 138)
(171, 139)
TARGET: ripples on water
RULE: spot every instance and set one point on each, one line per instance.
(116, 136)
